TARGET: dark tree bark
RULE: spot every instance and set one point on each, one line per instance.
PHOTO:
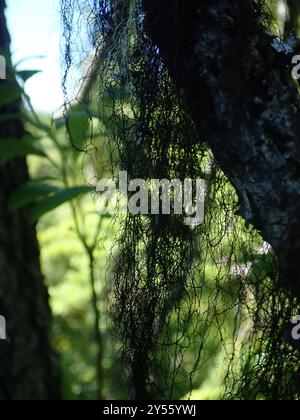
(28, 366)
(293, 19)
(234, 80)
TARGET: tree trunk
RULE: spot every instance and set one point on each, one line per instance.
(28, 366)
(293, 19)
(235, 80)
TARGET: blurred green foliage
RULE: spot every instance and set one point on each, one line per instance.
(68, 233)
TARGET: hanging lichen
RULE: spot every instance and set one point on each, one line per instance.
(179, 290)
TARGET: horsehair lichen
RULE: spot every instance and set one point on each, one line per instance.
(181, 296)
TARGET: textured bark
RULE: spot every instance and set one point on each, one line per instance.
(293, 19)
(235, 81)
(28, 367)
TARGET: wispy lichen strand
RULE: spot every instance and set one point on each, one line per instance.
(181, 297)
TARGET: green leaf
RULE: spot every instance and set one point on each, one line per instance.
(27, 74)
(31, 57)
(9, 92)
(78, 125)
(60, 197)
(59, 122)
(11, 148)
(28, 193)
(40, 125)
